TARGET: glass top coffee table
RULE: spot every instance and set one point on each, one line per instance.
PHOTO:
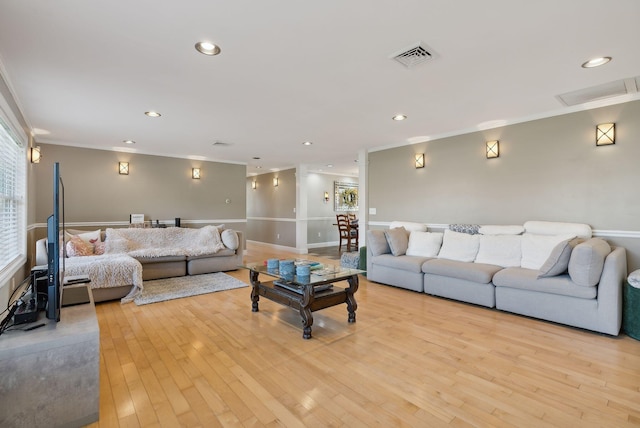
(307, 294)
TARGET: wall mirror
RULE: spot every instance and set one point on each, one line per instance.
(346, 196)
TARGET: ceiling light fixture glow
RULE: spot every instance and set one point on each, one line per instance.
(207, 48)
(596, 62)
(307, 143)
(152, 113)
(128, 141)
(399, 117)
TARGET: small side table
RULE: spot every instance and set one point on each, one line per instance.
(631, 311)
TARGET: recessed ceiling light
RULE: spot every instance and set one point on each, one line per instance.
(152, 113)
(330, 165)
(258, 167)
(129, 142)
(307, 143)
(207, 48)
(256, 157)
(399, 117)
(596, 62)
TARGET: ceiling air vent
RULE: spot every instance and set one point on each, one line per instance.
(220, 144)
(599, 92)
(413, 55)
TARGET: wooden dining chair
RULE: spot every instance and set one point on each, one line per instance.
(347, 232)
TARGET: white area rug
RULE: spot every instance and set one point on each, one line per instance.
(160, 290)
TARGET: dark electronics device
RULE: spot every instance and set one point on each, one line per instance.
(55, 245)
(27, 312)
(40, 280)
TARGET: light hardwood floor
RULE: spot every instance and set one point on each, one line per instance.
(410, 360)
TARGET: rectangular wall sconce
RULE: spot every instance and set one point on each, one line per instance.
(420, 160)
(123, 168)
(35, 154)
(275, 181)
(195, 173)
(493, 149)
(326, 197)
(605, 134)
(254, 184)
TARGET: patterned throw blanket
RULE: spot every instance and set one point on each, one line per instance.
(106, 271)
(159, 242)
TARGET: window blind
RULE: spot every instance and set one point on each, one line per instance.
(12, 197)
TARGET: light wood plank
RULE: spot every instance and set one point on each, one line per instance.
(409, 360)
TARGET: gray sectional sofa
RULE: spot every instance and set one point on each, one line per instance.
(130, 256)
(546, 270)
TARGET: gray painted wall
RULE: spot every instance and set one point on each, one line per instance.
(271, 218)
(271, 210)
(159, 187)
(548, 169)
(321, 230)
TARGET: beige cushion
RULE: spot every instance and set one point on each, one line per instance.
(398, 240)
(558, 261)
(377, 242)
(587, 261)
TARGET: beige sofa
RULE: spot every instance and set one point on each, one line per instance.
(135, 255)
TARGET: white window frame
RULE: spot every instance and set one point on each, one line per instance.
(9, 119)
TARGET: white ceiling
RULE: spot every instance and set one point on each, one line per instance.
(84, 72)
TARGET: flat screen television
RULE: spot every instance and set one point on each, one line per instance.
(56, 247)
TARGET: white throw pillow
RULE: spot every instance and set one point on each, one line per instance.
(409, 226)
(230, 239)
(459, 246)
(501, 230)
(500, 250)
(536, 249)
(425, 244)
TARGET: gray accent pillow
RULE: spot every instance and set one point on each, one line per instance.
(398, 240)
(558, 261)
(377, 242)
(587, 261)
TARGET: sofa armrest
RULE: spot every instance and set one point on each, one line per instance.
(241, 243)
(610, 290)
